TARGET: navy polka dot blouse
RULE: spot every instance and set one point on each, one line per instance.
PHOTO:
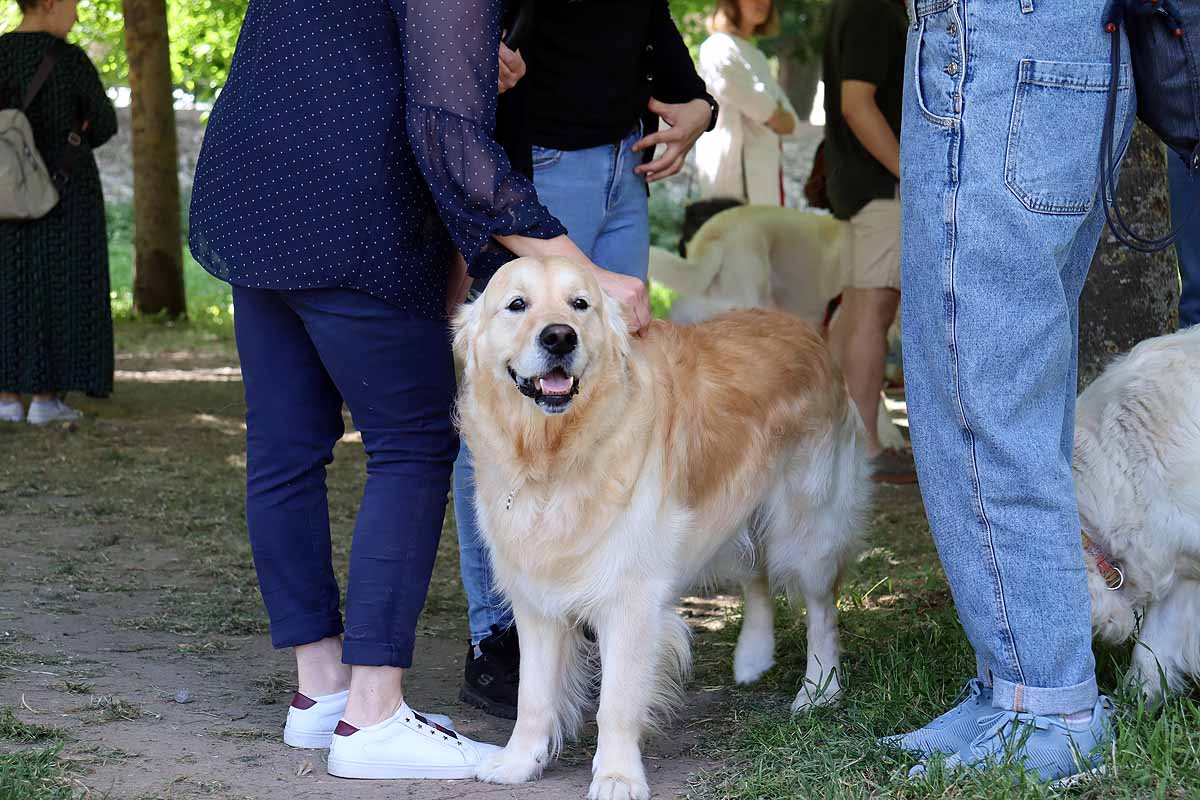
(353, 147)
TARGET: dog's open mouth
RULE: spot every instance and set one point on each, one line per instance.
(552, 391)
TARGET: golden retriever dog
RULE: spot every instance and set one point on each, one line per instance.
(613, 472)
(762, 257)
(1137, 478)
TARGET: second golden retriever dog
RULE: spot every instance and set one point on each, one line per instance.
(614, 472)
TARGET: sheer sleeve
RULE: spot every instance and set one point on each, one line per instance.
(450, 74)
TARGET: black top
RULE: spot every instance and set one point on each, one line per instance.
(592, 67)
(864, 41)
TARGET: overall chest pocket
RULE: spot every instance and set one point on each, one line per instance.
(1052, 161)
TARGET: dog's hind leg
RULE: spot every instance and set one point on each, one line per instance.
(545, 660)
(755, 653)
(1168, 647)
(642, 642)
(806, 550)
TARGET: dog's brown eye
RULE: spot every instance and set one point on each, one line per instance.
(517, 305)
(580, 304)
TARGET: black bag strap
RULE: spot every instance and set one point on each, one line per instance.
(39, 77)
(1108, 159)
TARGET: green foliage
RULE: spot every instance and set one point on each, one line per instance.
(801, 26)
(209, 301)
(203, 36)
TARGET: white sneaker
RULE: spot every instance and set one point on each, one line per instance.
(405, 746)
(312, 720)
(12, 411)
(43, 412)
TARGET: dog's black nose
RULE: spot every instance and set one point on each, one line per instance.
(559, 339)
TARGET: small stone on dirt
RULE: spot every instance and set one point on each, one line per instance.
(183, 696)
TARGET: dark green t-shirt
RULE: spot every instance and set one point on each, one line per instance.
(864, 41)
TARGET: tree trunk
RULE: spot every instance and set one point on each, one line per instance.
(1130, 296)
(799, 79)
(158, 246)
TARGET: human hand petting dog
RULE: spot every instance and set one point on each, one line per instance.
(687, 120)
(631, 293)
(512, 67)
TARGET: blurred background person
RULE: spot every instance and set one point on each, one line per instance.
(56, 332)
(740, 159)
(1185, 213)
(863, 68)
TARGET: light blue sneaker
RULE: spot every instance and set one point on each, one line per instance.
(953, 730)
(1044, 747)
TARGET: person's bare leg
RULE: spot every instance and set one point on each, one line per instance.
(858, 339)
(319, 668)
(9, 397)
(375, 694)
(44, 397)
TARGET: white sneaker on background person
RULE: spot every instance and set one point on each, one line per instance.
(406, 745)
(312, 720)
(43, 412)
(12, 411)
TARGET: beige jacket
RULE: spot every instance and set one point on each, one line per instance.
(739, 77)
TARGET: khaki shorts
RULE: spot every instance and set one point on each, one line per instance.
(871, 255)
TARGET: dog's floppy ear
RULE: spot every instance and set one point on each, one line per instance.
(465, 327)
(614, 317)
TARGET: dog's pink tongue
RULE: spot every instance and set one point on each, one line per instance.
(556, 383)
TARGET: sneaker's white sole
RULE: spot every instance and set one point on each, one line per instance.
(307, 740)
(365, 770)
(1079, 777)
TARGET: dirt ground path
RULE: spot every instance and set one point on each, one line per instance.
(85, 667)
(125, 578)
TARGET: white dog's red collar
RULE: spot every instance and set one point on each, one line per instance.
(1113, 576)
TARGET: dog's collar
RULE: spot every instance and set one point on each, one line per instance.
(1114, 576)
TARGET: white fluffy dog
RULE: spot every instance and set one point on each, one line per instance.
(761, 257)
(613, 472)
(1137, 476)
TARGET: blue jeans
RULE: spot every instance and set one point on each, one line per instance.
(603, 205)
(1003, 107)
(303, 354)
(1185, 210)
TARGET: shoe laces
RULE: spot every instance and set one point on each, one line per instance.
(1019, 724)
(973, 689)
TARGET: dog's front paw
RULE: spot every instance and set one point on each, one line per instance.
(753, 657)
(812, 697)
(510, 766)
(618, 787)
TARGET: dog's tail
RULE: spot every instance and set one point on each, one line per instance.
(685, 276)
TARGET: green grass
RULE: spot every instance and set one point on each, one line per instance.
(209, 301)
(15, 730)
(35, 775)
(905, 660)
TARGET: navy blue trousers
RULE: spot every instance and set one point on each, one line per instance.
(303, 354)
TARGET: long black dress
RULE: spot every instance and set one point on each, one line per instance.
(55, 313)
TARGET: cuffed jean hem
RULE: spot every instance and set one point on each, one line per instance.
(305, 629)
(1043, 702)
(496, 617)
(378, 654)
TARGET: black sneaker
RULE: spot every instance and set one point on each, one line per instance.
(490, 680)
